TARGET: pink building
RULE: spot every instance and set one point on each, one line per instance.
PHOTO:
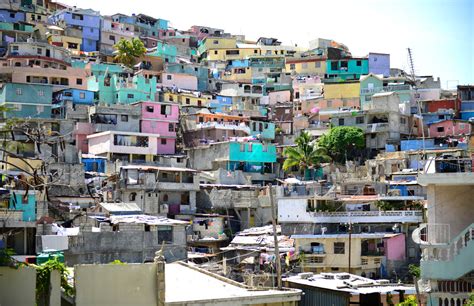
(449, 128)
(178, 80)
(280, 96)
(161, 118)
(81, 131)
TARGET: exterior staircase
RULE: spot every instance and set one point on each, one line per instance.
(448, 261)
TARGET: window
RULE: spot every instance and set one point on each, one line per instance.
(165, 234)
(359, 63)
(333, 65)
(215, 42)
(440, 129)
(250, 147)
(19, 92)
(169, 77)
(132, 196)
(232, 52)
(188, 101)
(124, 118)
(292, 66)
(403, 120)
(149, 109)
(163, 110)
(41, 93)
(112, 37)
(339, 248)
(216, 52)
(341, 121)
(317, 65)
(255, 51)
(130, 96)
(12, 15)
(329, 104)
(14, 48)
(163, 141)
(359, 120)
(78, 81)
(39, 51)
(171, 127)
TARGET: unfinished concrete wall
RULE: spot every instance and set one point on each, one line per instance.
(131, 284)
(130, 244)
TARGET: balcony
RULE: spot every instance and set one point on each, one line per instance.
(224, 126)
(369, 91)
(172, 186)
(377, 127)
(393, 216)
(313, 260)
(371, 262)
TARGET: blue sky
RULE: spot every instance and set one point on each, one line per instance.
(440, 32)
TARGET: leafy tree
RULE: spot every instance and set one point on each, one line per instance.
(410, 301)
(129, 50)
(342, 142)
(414, 270)
(306, 155)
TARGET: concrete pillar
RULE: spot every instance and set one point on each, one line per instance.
(160, 278)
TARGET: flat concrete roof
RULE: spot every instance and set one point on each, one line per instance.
(446, 179)
(190, 285)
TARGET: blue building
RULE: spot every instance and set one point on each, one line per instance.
(86, 20)
(379, 63)
(27, 100)
(94, 164)
(12, 16)
(25, 202)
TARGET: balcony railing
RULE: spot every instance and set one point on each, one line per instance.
(447, 251)
(366, 91)
(377, 127)
(11, 214)
(313, 260)
(226, 126)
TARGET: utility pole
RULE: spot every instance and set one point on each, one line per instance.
(275, 238)
(350, 245)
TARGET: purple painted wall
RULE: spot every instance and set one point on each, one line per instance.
(395, 247)
(379, 63)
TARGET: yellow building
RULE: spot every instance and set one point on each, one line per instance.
(342, 90)
(240, 74)
(231, 53)
(217, 43)
(188, 99)
(330, 252)
(307, 66)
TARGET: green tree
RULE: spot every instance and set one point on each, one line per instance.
(342, 142)
(129, 50)
(306, 155)
(410, 301)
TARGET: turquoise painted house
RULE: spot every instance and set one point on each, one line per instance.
(27, 100)
(25, 203)
(346, 69)
(266, 130)
(104, 68)
(166, 51)
(251, 156)
(113, 89)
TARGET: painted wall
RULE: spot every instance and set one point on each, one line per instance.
(77, 96)
(395, 247)
(450, 128)
(184, 81)
(353, 71)
(252, 152)
(105, 143)
(202, 73)
(11, 280)
(279, 96)
(26, 204)
(306, 66)
(379, 64)
(117, 284)
(341, 90)
(11, 16)
(33, 101)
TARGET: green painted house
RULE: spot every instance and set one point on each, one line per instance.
(26, 100)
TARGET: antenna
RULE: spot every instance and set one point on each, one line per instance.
(418, 103)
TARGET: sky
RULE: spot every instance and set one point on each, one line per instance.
(439, 32)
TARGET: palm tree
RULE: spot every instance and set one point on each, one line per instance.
(306, 155)
(129, 50)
